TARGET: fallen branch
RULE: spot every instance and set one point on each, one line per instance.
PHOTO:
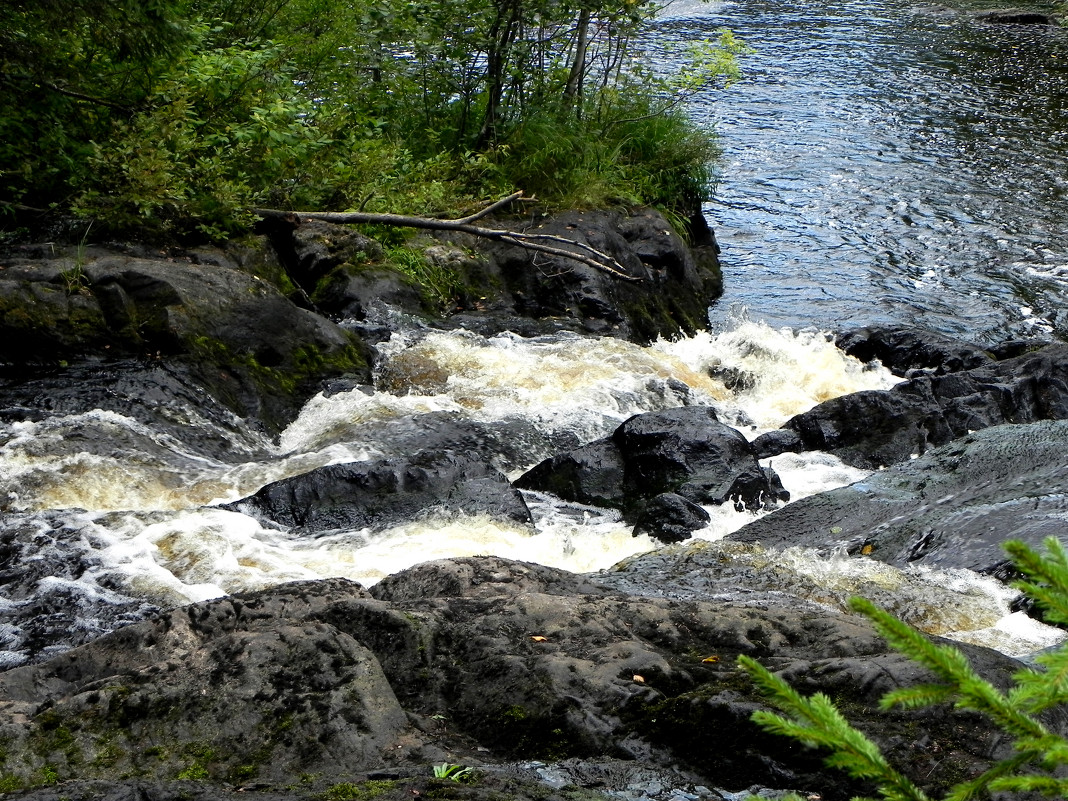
(589, 256)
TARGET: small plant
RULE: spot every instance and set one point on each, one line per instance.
(816, 721)
(454, 773)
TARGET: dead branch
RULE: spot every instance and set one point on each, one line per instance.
(588, 255)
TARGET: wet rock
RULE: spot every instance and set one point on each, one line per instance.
(953, 507)
(902, 349)
(876, 428)
(772, 443)
(233, 333)
(684, 451)
(381, 493)
(671, 518)
(499, 287)
(470, 661)
(58, 591)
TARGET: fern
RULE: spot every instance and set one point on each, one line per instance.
(815, 721)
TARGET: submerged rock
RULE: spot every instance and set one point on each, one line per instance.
(467, 661)
(952, 507)
(684, 451)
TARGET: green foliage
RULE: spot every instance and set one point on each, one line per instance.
(455, 773)
(175, 116)
(440, 284)
(816, 722)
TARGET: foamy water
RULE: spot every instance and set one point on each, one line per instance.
(137, 520)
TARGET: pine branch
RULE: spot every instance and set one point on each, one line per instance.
(1048, 573)
(816, 721)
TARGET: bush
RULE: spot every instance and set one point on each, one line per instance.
(815, 721)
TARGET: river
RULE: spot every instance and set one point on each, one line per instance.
(882, 163)
(888, 162)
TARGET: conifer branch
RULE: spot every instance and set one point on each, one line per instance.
(816, 722)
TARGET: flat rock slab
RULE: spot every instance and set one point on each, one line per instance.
(472, 661)
(952, 507)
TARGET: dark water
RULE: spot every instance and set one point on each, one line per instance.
(886, 162)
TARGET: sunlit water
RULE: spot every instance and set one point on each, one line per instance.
(887, 161)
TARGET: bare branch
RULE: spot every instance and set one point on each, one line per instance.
(589, 256)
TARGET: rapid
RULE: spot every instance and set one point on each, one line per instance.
(882, 163)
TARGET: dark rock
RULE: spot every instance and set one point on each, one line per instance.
(243, 342)
(684, 450)
(165, 395)
(523, 662)
(671, 518)
(1017, 16)
(315, 248)
(591, 474)
(875, 428)
(772, 443)
(902, 349)
(500, 287)
(512, 289)
(953, 507)
(354, 292)
(688, 451)
(385, 492)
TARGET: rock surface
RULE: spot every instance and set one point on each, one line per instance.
(684, 451)
(473, 661)
(903, 349)
(876, 428)
(380, 493)
(952, 507)
(499, 287)
(225, 331)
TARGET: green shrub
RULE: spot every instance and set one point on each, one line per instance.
(815, 721)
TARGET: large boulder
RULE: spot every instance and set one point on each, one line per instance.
(952, 507)
(472, 661)
(876, 428)
(491, 286)
(685, 452)
(675, 282)
(381, 493)
(229, 331)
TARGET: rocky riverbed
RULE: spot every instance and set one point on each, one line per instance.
(548, 684)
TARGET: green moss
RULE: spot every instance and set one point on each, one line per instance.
(9, 783)
(47, 775)
(364, 791)
(198, 757)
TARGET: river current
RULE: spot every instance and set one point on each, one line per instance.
(882, 163)
(888, 161)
